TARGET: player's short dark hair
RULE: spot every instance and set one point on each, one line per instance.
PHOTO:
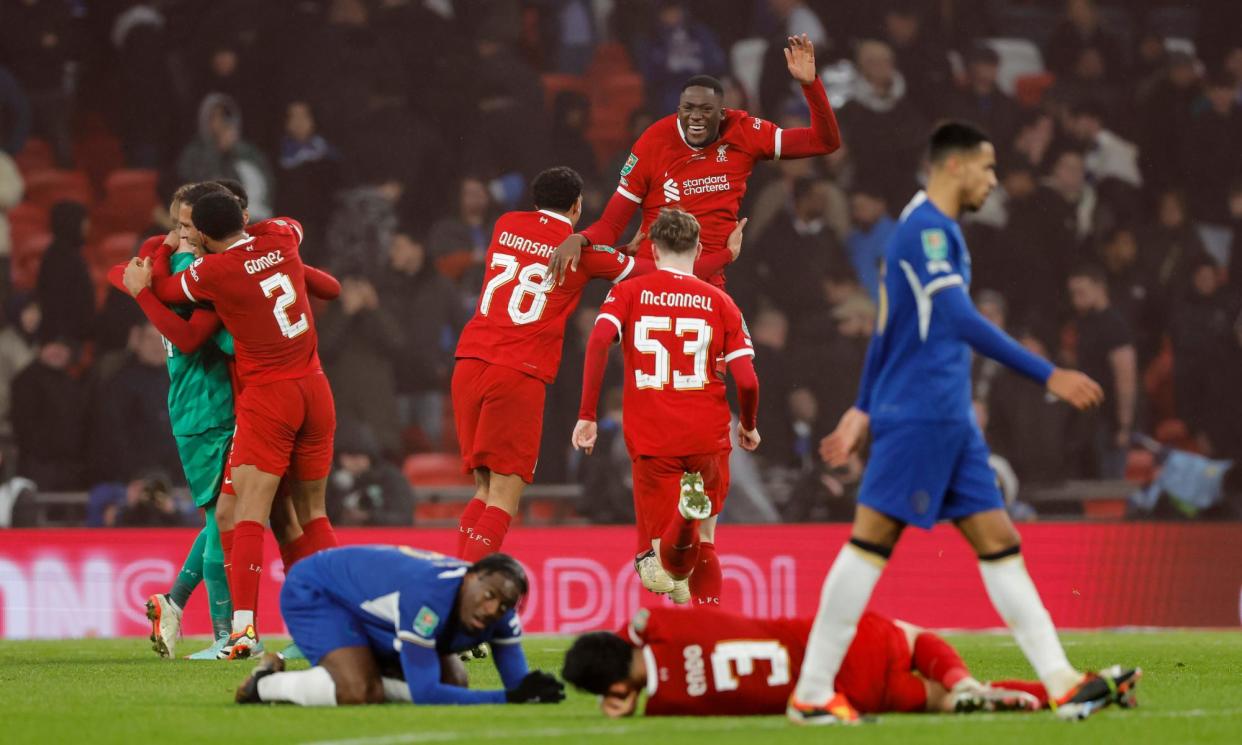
(675, 231)
(1093, 272)
(954, 137)
(704, 81)
(596, 661)
(556, 188)
(502, 564)
(234, 187)
(218, 215)
(192, 192)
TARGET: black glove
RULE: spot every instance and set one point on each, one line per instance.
(537, 687)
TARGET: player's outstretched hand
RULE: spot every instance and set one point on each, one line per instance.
(800, 56)
(537, 687)
(836, 448)
(565, 258)
(137, 275)
(748, 438)
(583, 438)
(734, 242)
(1075, 388)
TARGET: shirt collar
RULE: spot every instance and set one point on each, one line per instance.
(671, 270)
(240, 241)
(557, 215)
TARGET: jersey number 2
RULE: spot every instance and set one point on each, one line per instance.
(531, 281)
(695, 347)
(279, 286)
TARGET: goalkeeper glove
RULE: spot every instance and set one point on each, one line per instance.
(537, 687)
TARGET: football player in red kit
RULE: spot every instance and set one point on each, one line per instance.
(673, 327)
(700, 158)
(285, 413)
(704, 662)
(510, 351)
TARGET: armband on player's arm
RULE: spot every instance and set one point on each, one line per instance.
(608, 228)
(743, 371)
(320, 284)
(821, 138)
(986, 339)
(607, 328)
(422, 674)
(187, 335)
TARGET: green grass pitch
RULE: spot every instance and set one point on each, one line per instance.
(99, 691)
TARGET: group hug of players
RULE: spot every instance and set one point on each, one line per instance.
(253, 415)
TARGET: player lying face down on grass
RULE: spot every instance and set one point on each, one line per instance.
(705, 662)
(383, 623)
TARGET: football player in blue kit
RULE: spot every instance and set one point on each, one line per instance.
(368, 616)
(928, 458)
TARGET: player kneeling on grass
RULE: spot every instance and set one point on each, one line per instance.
(368, 616)
(704, 662)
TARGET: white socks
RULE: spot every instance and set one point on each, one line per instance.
(1015, 598)
(313, 687)
(842, 601)
(396, 689)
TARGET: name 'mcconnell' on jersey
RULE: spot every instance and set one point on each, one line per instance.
(255, 286)
(673, 328)
(918, 362)
(520, 318)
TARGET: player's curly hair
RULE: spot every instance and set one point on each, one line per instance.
(556, 189)
(218, 215)
(596, 661)
(675, 231)
(502, 564)
(234, 187)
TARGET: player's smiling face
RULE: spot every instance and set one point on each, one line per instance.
(700, 112)
(485, 599)
(977, 172)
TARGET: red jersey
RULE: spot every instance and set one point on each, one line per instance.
(673, 328)
(520, 318)
(709, 182)
(705, 662)
(255, 286)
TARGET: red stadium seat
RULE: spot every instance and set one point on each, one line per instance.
(26, 220)
(98, 153)
(132, 185)
(115, 249)
(26, 258)
(610, 58)
(1030, 89)
(46, 188)
(114, 217)
(555, 83)
(435, 468)
(455, 264)
(35, 156)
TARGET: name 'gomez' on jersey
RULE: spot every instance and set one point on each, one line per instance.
(673, 328)
(254, 285)
(520, 318)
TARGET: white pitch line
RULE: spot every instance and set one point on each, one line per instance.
(764, 723)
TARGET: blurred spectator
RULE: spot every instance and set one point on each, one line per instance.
(11, 187)
(570, 117)
(309, 173)
(359, 343)
(149, 503)
(792, 18)
(462, 238)
(803, 419)
(1211, 158)
(1162, 121)
(834, 367)
(1092, 81)
(365, 489)
(130, 431)
(984, 103)
(14, 113)
(573, 34)
(677, 48)
(922, 58)
(1104, 350)
(49, 419)
(220, 152)
(1033, 143)
(885, 131)
(796, 17)
(1167, 250)
(1108, 155)
(869, 234)
(1203, 338)
(227, 68)
(64, 289)
(770, 334)
(606, 474)
(508, 129)
(796, 251)
(1078, 31)
(140, 41)
(1235, 249)
(17, 350)
(1129, 293)
(425, 306)
(364, 222)
(41, 44)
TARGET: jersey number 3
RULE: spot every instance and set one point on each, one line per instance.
(695, 347)
(279, 286)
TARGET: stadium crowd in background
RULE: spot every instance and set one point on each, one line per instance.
(397, 131)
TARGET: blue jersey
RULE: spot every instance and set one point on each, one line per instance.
(402, 603)
(918, 363)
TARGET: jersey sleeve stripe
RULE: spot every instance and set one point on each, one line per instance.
(653, 671)
(634, 637)
(739, 353)
(510, 640)
(297, 229)
(186, 289)
(623, 192)
(777, 149)
(625, 272)
(943, 283)
(407, 636)
(611, 319)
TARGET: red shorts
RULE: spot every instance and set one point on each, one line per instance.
(876, 674)
(499, 417)
(657, 486)
(286, 426)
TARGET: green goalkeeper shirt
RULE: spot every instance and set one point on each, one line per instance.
(200, 389)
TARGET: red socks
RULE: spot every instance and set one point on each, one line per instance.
(489, 533)
(1033, 687)
(296, 550)
(247, 565)
(319, 536)
(707, 580)
(465, 526)
(936, 660)
(679, 546)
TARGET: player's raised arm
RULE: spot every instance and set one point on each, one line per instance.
(824, 135)
(606, 230)
(321, 284)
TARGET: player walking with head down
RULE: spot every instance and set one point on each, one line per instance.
(676, 421)
(510, 350)
(928, 458)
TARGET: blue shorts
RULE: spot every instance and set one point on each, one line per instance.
(317, 622)
(920, 473)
